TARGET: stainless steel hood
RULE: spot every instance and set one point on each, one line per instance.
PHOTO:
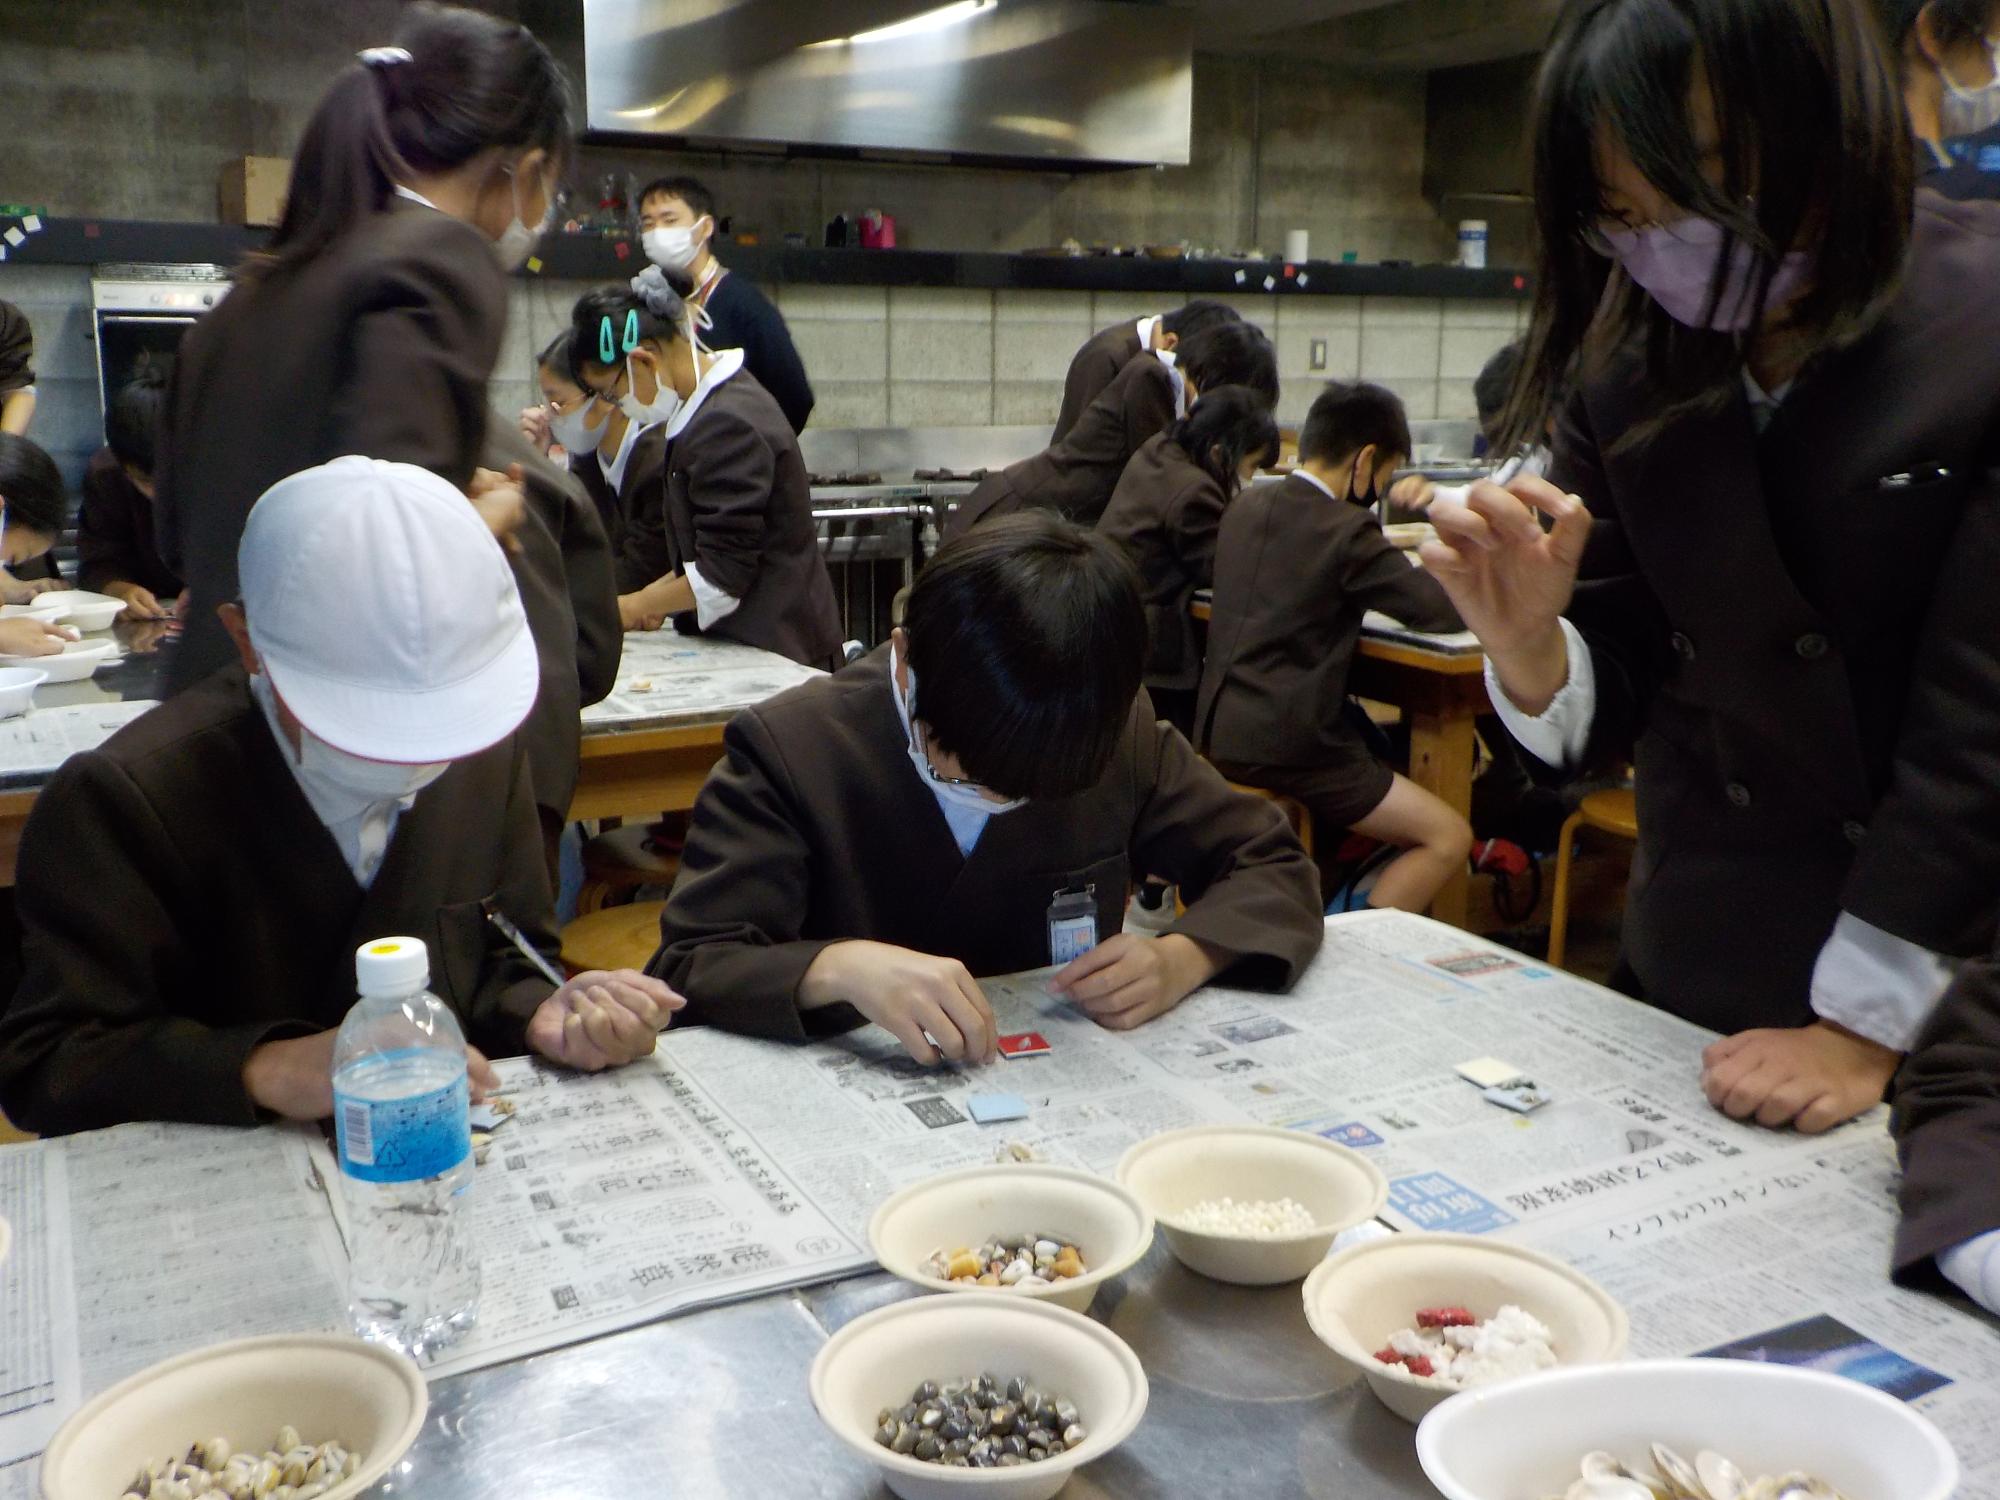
(1044, 82)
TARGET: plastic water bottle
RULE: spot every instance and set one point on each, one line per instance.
(400, 1102)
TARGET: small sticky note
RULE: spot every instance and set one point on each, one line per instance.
(535, 265)
(33, 223)
(991, 1109)
(1241, 277)
(1270, 283)
(1304, 279)
(14, 235)
(1489, 1073)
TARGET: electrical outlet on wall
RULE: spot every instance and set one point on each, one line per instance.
(1318, 360)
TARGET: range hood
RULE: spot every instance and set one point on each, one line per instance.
(1026, 82)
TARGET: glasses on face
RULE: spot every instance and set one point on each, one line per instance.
(924, 749)
(576, 403)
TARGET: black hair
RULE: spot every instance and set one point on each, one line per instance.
(1227, 425)
(1191, 317)
(1347, 418)
(1495, 383)
(32, 486)
(1815, 149)
(1028, 641)
(555, 354)
(133, 422)
(612, 320)
(690, 191)
(1231, 353)
(1952, 21)
(470, 82)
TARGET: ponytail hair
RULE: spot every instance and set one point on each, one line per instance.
(455, 83)
(1224, 427)
(609, 322)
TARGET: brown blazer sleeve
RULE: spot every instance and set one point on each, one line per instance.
(731, 470)
(1947, 1125)
(1094, 367)
(17, 350)
(729, 935)
(1149, 405)
(1194, 520)
(644, 554)
(511, 989)
(1252, 893)
(88, 1040)
(425, 340)
(1375, 575)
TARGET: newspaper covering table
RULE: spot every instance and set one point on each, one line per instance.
(729, 1166)
(665, 679)
(33, 745)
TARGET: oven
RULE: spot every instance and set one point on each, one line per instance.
(870, 537)
(140, 314)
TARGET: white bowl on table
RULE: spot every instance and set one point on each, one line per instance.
(88, 611)
(76, 661)
(878, 1360)
(331, 1388)
(1526, 1438)
(48, 608)
(17, 689)
(1365, 1294)
(1108, 1225)
(1172, 1173)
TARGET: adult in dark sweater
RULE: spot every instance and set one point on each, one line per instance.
(677, 230)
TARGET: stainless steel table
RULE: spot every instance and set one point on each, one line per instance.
(714, 1406)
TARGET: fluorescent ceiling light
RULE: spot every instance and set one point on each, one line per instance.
(930, 20)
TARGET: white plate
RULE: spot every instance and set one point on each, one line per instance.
(76, 661)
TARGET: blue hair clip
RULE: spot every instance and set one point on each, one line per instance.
(607, 354)
(631, 330)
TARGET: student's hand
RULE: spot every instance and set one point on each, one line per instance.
(139, 602)
(22, 590)
(1125, 980)
(603, 1020)
(293, 1079)
(1814, 1077)
(535, 428)
(502, 502)
(907, 994)
(1413, 492)
(25, 637)
(634, 613)
(1511, 580)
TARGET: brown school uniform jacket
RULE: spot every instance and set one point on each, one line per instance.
(645, 477)
(1295, 569)
(1165, 513)
(115, 540)
(816, 828)
(1095, 366)
(1947, 1124)
(17, 350)
(1798, 632)
(1076, 476)
(180, 904)
(562, 567)
(737, 503)
(382, 346)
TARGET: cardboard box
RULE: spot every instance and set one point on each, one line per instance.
(253, 190)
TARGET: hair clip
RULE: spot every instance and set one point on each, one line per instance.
(383, 57)
(631, 330)
(607, 351)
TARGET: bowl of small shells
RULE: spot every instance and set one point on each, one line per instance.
(1250, 1204)
(288, 1417)
(991, 1393)
(1040, 1232)
(1421, 1317)
(1684, 1429)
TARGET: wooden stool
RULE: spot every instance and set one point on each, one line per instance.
(1611, 812)
(616, 862)
(1294, 811)
(618, 937)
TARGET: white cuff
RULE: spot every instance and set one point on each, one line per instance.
(1974, 1268)
(1558, 735)
(710, 603)
(1876, 984)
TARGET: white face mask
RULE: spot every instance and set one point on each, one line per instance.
(666, 400)
(335, 776)
(517, 240)
(1967, 111)
(571, 429)
(967, 797)
(672, 249)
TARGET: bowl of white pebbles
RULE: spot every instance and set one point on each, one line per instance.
(1421, 1317)
(1251, 1204)
(992, 1395)
(1042, 1232)
(320, 1416)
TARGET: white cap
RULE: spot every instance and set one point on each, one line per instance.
(385, 612)
(392, 966)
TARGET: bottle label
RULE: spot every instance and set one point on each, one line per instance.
(403, 1140)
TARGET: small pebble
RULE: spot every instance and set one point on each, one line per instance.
(980, 1423)
(1022, 1262)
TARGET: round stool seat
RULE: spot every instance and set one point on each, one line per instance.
(618, 937)
(1615, 811)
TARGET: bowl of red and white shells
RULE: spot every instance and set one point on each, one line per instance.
(1422, 1317)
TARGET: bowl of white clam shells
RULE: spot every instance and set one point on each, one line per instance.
(308, 1416)
(1684, 1429)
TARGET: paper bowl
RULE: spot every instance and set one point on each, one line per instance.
(878, 1360)
(1108, 1225)
(47, 608)
(369, 1399)
(1359, 1298)
(17, 689)
(1527, 1436)
(88, 611)
(76, 661)
(1172, 1173)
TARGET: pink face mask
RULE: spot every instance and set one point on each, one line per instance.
(1675, 263)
